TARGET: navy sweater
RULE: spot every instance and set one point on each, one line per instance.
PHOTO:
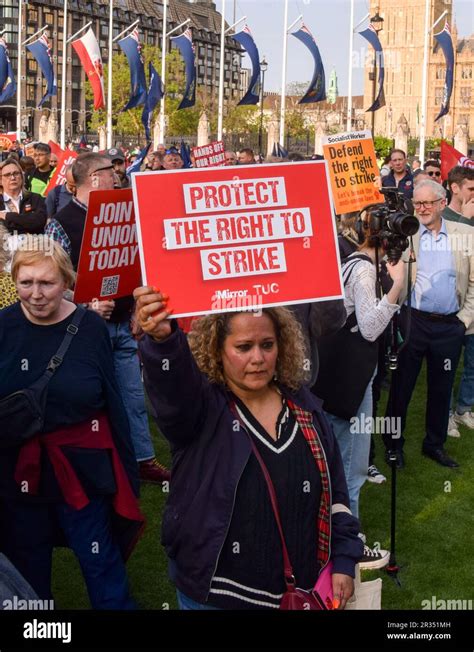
(83, 385)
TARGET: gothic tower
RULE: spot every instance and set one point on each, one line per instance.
(402, 39)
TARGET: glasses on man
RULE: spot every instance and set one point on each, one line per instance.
(11, 175)
(106, 167)
(435, 173)
(425, 204)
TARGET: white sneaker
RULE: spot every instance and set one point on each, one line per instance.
(374, 475)
(466, 419)
(452, 427)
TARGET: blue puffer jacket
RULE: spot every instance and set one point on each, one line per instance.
(209, 457)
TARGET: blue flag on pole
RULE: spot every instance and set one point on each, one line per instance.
(444, 40)
(371, 36)
(133, 51)
(41, 50)
(137, 163)
(279, 151)
(317, 89)
(184, 152)
(7, 78)
(245, 38)
(186, 47)
(154, 95)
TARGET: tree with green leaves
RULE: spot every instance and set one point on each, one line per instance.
(242, 119)
(382, 146)
(182, 122)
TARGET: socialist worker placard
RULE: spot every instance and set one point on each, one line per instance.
(238, 237)
(353, 170)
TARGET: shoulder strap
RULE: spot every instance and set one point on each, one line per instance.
(351, 321)
(356, 258)
(58, 357)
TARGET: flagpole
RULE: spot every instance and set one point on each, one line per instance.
(18, 86)
(424, 89)
(71, 38)
(424, 85)
(282, 112)
(163, 70)
(40, 31)
(229, 29)
(220, 110)
(351, 47)
(109, 76)
(126, 29)
(283, 77)
(349, 89)
(63, 81)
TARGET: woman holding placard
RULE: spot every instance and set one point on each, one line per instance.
(233, 406)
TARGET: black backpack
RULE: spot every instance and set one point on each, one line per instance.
(347, 362)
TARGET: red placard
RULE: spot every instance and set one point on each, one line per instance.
(7, 139)
(232, 238)
(208, 156)
(109, 265)
(59, 177)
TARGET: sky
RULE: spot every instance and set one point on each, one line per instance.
(329, 22)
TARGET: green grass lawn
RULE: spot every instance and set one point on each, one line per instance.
(435, 527)
(435, 517)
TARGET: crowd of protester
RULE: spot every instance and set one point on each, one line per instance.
(236, 404)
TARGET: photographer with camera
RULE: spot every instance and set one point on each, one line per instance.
(442, 311)
(349, 358)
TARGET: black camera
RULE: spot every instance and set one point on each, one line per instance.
(392, 223)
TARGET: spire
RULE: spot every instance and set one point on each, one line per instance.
(332, 92)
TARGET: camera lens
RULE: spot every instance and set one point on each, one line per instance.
(403, 224)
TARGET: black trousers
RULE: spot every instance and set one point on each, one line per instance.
(440, 343)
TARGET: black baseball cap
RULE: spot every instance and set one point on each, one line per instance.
(115, 154)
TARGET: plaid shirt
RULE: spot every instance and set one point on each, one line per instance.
(55, 231)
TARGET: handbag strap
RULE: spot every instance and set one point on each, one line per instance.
(57, 359)
(288, 569)
(351, 321)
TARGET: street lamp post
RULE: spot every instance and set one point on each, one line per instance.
(377, 23)
(263, 69)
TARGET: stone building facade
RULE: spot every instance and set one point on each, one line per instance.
(205, 25)
(402, 39)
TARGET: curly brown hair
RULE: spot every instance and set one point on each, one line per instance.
(209, 333)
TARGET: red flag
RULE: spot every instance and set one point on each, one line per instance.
(88, 52)
(55, 149)
(451, 157)
(65, 158)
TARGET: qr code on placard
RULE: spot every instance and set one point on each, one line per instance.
(109, 286)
